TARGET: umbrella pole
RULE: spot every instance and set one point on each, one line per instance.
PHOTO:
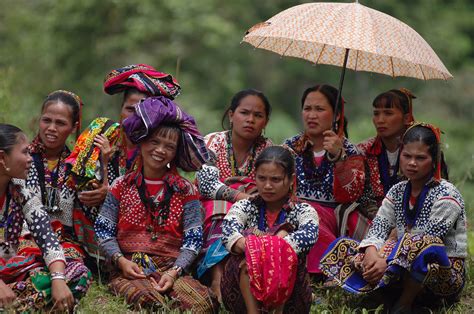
(339, 93)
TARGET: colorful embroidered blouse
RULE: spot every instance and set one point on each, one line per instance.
(442, 215)
(22, 205)
(373, 152)
(124, 222)
(316, 183)
(210, 179)
(245, 214)
(51, 186)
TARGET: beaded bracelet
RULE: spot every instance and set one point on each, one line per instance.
(115, 258)
(57, 275)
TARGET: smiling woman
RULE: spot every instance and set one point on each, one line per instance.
(150, 225)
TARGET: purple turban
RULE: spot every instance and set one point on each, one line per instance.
(153, 111)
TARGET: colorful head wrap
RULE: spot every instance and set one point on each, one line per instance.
(84, 159)
(153, 111)
(437, 133)
(144, 78)
(272, 266)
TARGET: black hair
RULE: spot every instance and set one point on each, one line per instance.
(279, 155)
(68, 99)
(394, 98)
(330, 92)
(235, 102)
(129, 92)
(9, 135)
(420, 133)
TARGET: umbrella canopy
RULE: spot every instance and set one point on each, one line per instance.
(326, 33)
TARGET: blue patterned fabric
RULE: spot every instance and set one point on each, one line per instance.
(310, 187)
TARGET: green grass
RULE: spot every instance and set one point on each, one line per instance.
(328, 300)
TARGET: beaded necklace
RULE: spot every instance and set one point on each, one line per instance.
(159, 211)
(50, 196)
(232, 163)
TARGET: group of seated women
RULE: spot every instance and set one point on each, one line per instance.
(254, 227)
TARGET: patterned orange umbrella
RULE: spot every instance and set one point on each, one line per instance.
(349, 35)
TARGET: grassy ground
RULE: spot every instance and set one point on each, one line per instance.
(333, 300)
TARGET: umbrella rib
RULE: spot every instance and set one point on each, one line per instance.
(357, 59)
(320, 54)
(393, 70)
(424, 77)
(291, 43)
(260, 42)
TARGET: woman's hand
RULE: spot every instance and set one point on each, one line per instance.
(166, 282)
(239, 246)
(281, 233)
(63, 300)
(332, 143)
(374, 266)
(94, 197)
(7, 296)
(106, 151)
(130, 270)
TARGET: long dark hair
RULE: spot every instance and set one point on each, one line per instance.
(235, 103)
(9, 135)
(279, 155)
(330, 92)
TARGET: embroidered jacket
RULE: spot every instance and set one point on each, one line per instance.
(245, 214)
(441, 215)
(123, 221)
(24, 206)
(211, 177)
(371, 149)
(317, 183)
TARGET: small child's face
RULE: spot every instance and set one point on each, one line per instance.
(416, 162)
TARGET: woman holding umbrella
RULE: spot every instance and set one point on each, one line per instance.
(323, 156)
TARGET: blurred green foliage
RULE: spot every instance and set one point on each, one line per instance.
(47, 45)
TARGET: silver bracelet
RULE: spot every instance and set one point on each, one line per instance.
(58, 277)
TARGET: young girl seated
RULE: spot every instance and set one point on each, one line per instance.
(428, 214)
(269, 236)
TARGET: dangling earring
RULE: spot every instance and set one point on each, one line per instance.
(231, 125)
(263, 132)
(7, 169)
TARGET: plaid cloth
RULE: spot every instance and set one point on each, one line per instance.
(144, 78)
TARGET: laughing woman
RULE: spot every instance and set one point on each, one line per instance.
(231, 176)
(323, 158)
(429, 216)
(29, 282)
(150, 225)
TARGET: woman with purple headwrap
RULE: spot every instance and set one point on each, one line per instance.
(150, 226)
